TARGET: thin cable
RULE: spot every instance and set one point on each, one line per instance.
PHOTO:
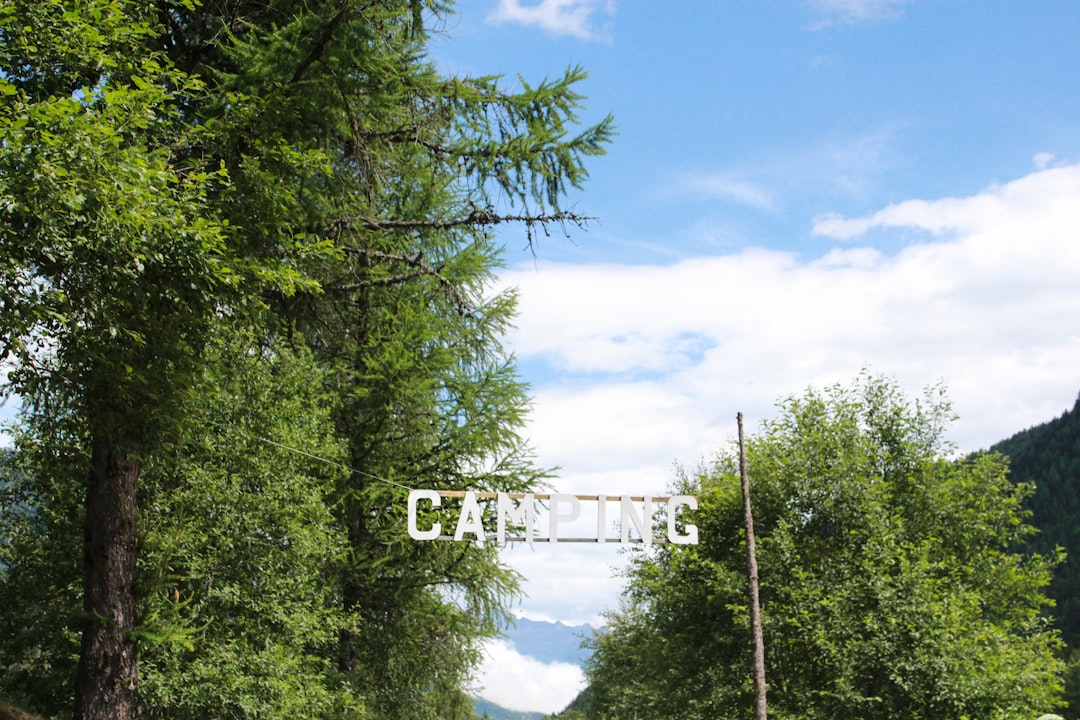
(332, 462)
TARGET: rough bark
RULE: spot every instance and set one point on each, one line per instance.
(760, 703)
(8, 712)
(105, 684)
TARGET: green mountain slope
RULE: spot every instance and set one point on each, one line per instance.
(1048, 455)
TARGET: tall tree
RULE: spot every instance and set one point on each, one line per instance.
(890, 586)
(403, 173)
(111, 277)
(300, 169)
(238, 545)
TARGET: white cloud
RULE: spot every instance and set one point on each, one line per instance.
(650, 364)
(847, 166)
(569, 582)
(1043, 160)
(730, 187)
(521, 683)
(999, 215)
(559, 17)
(854, 11)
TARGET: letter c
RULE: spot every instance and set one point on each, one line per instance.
(436, 528)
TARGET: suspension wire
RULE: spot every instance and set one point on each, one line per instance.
(332, 462)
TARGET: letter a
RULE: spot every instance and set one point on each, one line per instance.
(471, 519)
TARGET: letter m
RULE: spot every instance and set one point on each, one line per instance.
(517, 515)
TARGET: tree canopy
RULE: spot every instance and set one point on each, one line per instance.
(205, 206)
(890, 582)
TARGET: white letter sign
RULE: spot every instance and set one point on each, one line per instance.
(471, 520)
(563, 509)
(641, 522)
(433, 496)
(525, 513)
(557, 517)
(673, 536)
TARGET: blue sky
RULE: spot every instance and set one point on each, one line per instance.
(800, 189)
(754, 118)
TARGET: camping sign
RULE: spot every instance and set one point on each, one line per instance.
(517, 513)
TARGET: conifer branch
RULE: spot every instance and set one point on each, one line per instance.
(323, 41)
(478, 217)
(421, 268)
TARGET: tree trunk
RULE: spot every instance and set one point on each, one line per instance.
(105, 684)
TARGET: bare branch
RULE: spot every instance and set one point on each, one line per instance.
(421, 269)
(479, 217)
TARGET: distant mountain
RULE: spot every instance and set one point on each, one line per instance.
(1048, 456)
(550, 642)
(546, 642)
(490, 710)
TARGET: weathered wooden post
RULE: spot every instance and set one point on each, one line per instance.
(760, 712)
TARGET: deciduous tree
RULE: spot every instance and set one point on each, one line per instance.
(890, 583)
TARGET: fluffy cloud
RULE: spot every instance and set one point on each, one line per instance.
(981, 294)
(1033, 204)
(517, 682)
(637, 367)
(559, 17)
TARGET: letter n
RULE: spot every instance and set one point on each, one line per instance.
(643, 523)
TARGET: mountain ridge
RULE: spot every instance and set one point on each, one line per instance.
(550, 640)
(545, 641)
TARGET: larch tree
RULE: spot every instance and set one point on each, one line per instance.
(297, 174)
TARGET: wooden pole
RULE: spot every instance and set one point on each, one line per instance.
(760, 712)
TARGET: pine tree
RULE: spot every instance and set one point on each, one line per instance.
(1047, 457)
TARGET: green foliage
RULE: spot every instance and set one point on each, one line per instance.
(239, 614)
(363, 145)
(1048, 457)
(889, 584)
(297, 178)
(41, 560)
(110, 269)
(237, 618)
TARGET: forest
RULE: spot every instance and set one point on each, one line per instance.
(246, 263)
